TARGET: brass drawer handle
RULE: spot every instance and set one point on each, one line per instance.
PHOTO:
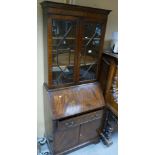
(96, 115)
(69, 124)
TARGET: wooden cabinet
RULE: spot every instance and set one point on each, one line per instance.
(73, 98)
(109, 79)
(75, 132)
(76, 115)
(73, 41)
(109, 83)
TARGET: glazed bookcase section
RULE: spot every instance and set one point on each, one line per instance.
(73, 41)
(63, 51)
(90, 51)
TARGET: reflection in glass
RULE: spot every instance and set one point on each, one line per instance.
(90, 51)
(63, 51)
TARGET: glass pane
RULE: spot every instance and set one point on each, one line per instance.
(63, 51)
(90, 51)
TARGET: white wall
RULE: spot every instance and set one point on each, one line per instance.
(112, 25)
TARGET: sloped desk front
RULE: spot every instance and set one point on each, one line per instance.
(73, 116)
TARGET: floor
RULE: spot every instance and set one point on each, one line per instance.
(99, 149)
(94, 149)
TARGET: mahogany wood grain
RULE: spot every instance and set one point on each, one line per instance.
(72, 118)
(78, 120)
(75, 100)
(80, 36)
(86, 135)
(66, 139)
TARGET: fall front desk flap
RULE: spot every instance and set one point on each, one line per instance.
(77, 99)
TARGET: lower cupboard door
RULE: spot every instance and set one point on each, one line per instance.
(66, 139)
(89, 131)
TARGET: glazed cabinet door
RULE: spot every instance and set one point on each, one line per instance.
(89, 131)
(66, 139)
(63, 45)
(90, 50)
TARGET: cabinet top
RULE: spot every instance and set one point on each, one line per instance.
(46, 4)
(75, 100)
(109, 53)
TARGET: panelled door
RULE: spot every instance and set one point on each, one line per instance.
(90, 130)
(66, 139)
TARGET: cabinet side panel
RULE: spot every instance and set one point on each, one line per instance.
(104, 69)
(111, 73)
(48, 117)
(45, 46)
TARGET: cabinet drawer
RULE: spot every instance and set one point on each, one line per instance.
(75, 121)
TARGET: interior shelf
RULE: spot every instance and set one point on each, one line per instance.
(71, 65)
(86, 38)
(64, 59)
(54, 51)
(63, 37)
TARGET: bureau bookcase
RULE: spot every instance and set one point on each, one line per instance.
(73, 98)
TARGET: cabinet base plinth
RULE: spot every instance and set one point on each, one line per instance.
(94, 141)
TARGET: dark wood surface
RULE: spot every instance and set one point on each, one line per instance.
(104, 70)
(109, 69)
(86, 134)
(49, 4)
(78, 120)
(110, 53)
(66, 139)
(77, 131)
(66, 133)
(108, 72)
(74, 100)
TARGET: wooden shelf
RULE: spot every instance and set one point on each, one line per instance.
(90, 38)
(64, 59)
(64, 50)
(72, 38)
(71, 65)
(68, 38)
